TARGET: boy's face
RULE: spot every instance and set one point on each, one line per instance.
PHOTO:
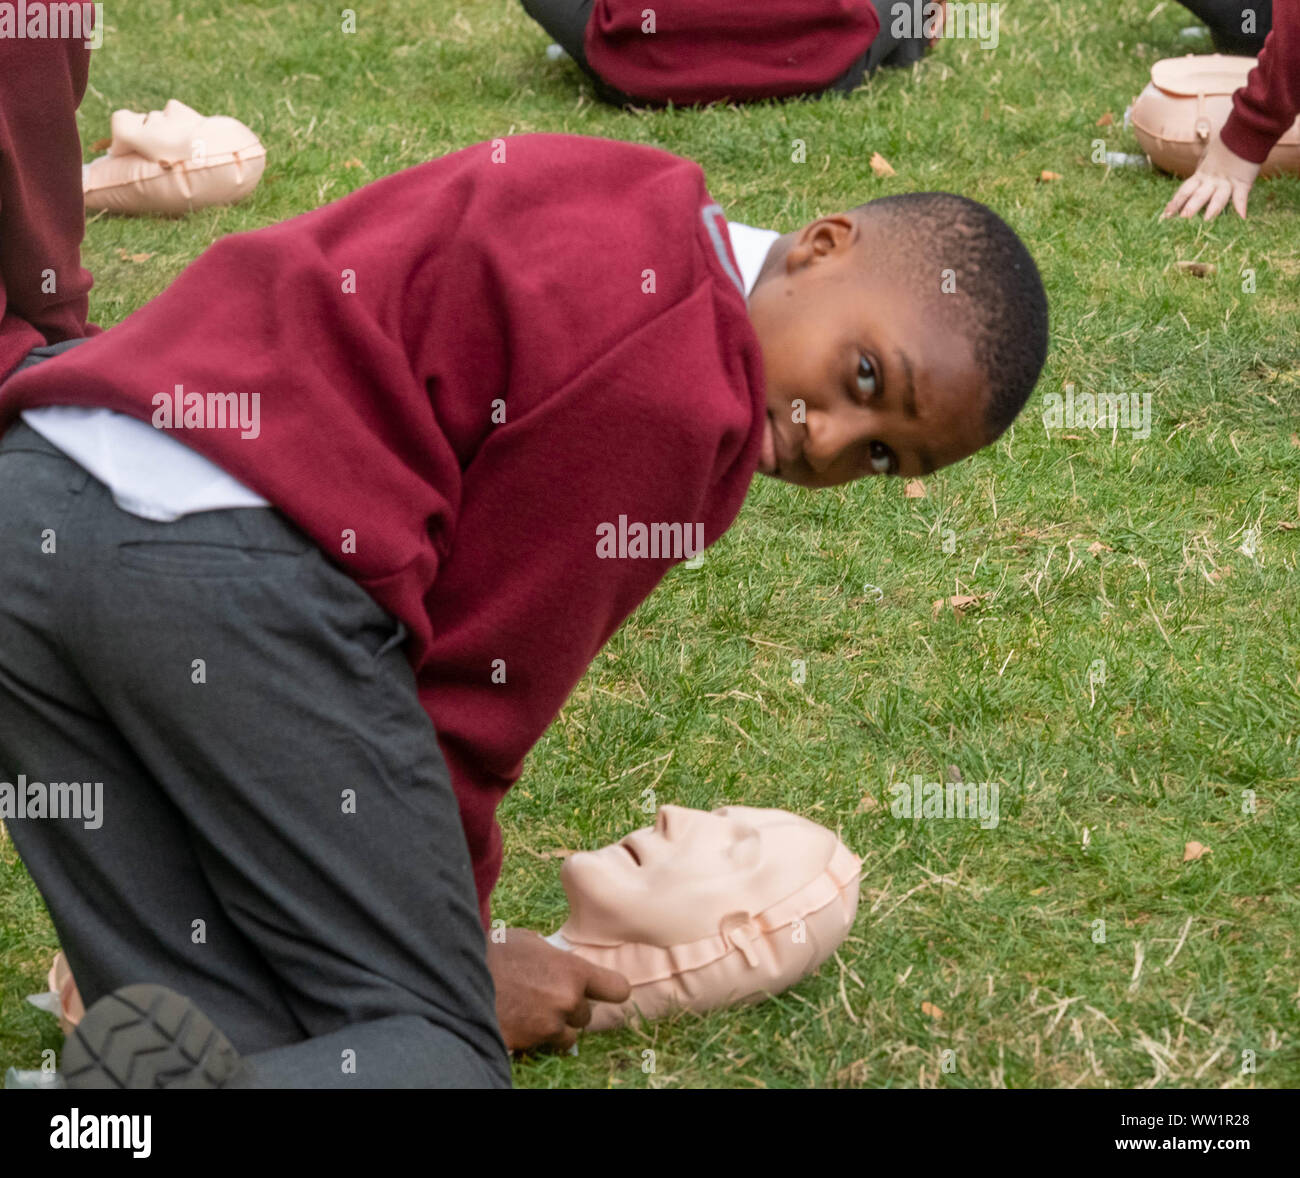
(884, 387)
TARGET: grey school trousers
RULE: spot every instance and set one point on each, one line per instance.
(277, 839)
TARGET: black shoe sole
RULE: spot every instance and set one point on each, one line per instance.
(147, 1036)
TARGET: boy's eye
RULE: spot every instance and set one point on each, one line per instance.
(866, 377)
(882, 458)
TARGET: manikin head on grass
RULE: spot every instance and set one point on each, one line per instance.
(703, 909)
(897, 338)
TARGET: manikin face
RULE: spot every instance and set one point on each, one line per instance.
(677, 881)
(885, 387)
(176, 133)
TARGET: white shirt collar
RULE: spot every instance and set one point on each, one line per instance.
(750, 246)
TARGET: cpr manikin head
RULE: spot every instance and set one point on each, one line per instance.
(704, 909)
(172, 161)
(1187, 102)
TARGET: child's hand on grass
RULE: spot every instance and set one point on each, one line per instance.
(544, 994)
(1221, 176)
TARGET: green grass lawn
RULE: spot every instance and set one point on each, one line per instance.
(1172, 559)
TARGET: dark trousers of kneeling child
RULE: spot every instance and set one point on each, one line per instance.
(278, 839)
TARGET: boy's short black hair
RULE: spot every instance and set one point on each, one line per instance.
(993, 281)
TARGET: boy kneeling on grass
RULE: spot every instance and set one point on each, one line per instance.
(306, 656)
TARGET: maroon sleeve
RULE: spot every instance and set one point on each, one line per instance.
(661, 430)
(1268, 103)
(650, 413)
(43, 287)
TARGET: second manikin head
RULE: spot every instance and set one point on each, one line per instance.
(172, 161)
(707, 909)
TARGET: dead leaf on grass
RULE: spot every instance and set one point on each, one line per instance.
(958, 601)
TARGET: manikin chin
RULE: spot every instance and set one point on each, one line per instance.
(704, 910)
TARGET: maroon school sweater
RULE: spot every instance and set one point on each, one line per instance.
(1266, 106)
(710, 50)
(581, 292)
(43, 287)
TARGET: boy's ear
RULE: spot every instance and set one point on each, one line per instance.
(822, 238)
(838, 232)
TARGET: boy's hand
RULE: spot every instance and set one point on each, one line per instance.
(1221, 176)
(543, 993)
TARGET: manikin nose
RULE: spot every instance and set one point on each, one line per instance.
(671, 821)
